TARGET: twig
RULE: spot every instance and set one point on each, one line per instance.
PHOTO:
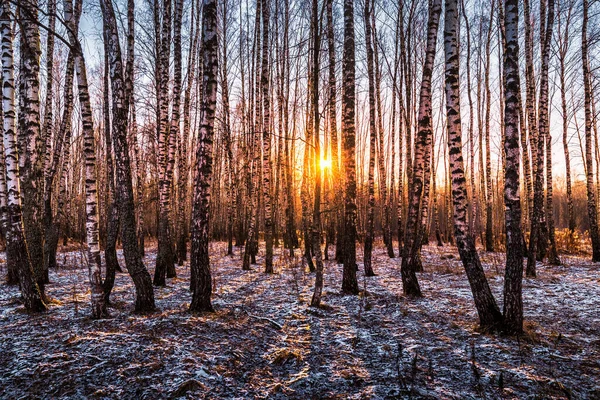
(275, 323)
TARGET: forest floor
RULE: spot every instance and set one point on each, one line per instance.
(264, 341)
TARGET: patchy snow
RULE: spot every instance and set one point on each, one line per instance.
(265, 342)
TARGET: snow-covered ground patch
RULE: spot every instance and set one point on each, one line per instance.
(265, 342)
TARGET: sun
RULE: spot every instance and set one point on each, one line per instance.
(325, 163)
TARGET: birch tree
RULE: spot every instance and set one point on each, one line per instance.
(423, 150)
(513, 301)
(16, 244)
(31, 155)
(199, 258)
(587, 90)
(165, 258)
(489, 314)
(89, 149)
(124, 187)
(370, 234)
(349, 282)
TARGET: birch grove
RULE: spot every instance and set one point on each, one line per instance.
(317, 136)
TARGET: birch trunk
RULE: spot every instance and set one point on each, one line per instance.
(124, 187)
(513, 300)
(369, 236)
(112, 213)
(31, 157)
(489, 227)
(423, 144)
(316, 221)
(563, 47)
(16, 244)
(165, 258)
(199, 258)
(349, 282)
(489, 314)
(89, 149)
(183, 149)
(587, 87)
(48, 127)
(266, 139)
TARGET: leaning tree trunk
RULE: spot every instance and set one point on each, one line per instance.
(349, 282)
(513, 299)
(489, 314)
(199, 259)
(183, 150)
(124, 188)
(89, 148)
(423, 144)
(16, 245)
(587, 87)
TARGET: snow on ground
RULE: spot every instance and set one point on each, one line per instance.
(265, 342)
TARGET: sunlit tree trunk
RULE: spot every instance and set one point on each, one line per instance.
(423, 145)
(266, 139)
(199, 258)
(349, 282)
(316, 221)
(16, 244)
(336, 175)
(489, 314)
(124, 188)
(513, 301)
